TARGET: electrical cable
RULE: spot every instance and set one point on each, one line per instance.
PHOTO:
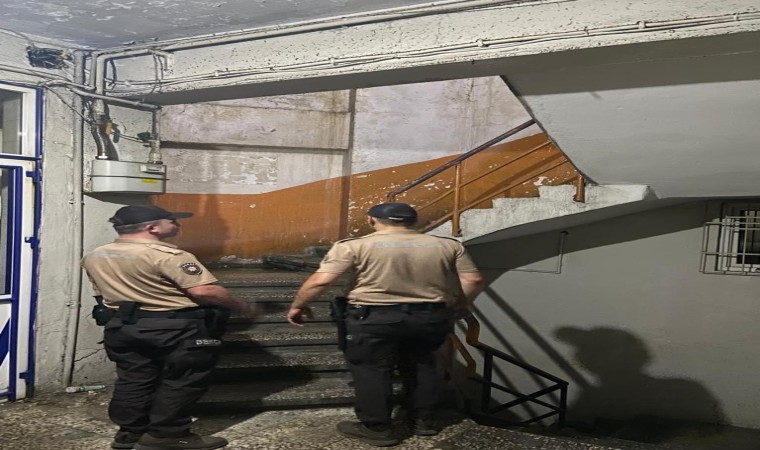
(133, 86)
(21, 35)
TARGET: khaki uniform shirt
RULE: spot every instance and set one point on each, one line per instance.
(145, 271)
(400, 266)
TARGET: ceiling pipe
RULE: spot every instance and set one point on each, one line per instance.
(101, 58)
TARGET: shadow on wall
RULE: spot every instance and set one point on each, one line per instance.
(616, 385)
(623, 390)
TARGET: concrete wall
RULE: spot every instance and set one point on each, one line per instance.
(60, 323)
(678, 116)
(277, 174)
(57, 256)
(426, 47)
(630, 321)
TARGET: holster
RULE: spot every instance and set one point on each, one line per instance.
(128, 312)
(338, 307)
(101, 313)
(216, 320)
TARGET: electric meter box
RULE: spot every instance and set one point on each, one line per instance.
(127, 177)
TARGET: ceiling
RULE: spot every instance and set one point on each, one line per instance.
(111, 23)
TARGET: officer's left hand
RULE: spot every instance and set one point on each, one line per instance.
(296, 315)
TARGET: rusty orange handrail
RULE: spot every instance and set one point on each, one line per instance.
(457, 208)
(448, 216)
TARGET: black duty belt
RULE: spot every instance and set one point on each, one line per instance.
(194, 313)
(423, 306)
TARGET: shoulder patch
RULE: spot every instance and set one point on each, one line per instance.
(165, 249)
(191, 268)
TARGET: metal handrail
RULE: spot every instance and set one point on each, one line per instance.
(487, 412)
(484, 174)
(459, 185)
(522, 180)
(392, 195)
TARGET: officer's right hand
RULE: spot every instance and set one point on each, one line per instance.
(461, 311)
(296, 315)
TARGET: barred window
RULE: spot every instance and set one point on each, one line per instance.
(731, 245)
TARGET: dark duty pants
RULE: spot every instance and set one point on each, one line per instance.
(380, 340)
(163, 366)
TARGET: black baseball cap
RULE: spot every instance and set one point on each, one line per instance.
(132, 214)
(397, 212)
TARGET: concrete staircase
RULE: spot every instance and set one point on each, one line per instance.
(552, 202)
(268, 363)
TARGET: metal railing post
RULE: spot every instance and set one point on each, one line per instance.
(456, 229)
(580, 189)
(485, 395)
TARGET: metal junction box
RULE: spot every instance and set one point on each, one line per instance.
(127, 177)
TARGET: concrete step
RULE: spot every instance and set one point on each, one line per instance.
(279, 334)
(267, 363)
(274, 312)
(553, 202)
(257, 277)
(278, 294)
(317, 358)
(295, 392)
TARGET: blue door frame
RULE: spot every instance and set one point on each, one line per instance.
(21, 212)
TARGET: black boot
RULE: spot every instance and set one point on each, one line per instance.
(357, 430)
(125, 440)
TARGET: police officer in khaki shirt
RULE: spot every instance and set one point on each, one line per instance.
(163, 315)
(407, 289)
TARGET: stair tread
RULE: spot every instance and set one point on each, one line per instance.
(281, 392)
(277, 294)
(277, 314)
(315, 360)
(277, 334)
(254, 277)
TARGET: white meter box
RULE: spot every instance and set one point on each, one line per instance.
(128, 177)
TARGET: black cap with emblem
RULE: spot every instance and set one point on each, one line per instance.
(397, 212)
(133, 214)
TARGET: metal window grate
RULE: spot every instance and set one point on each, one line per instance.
(731, 245)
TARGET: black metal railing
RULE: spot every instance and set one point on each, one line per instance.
(488, 413)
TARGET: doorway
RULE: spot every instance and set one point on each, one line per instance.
(19, 199)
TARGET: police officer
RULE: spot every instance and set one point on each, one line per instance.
(163, 316)
(407, 290)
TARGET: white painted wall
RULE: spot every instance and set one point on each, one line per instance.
(681, 118)
(417, 122)
(261, 144)
(270, 143)
(630, 321)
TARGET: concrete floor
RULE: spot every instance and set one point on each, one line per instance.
(79, 422)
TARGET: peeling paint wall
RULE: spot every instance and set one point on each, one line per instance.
(255, 145)
(229, 227)
(294, 171)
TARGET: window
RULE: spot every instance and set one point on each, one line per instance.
(731, 245)
(17, 120)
